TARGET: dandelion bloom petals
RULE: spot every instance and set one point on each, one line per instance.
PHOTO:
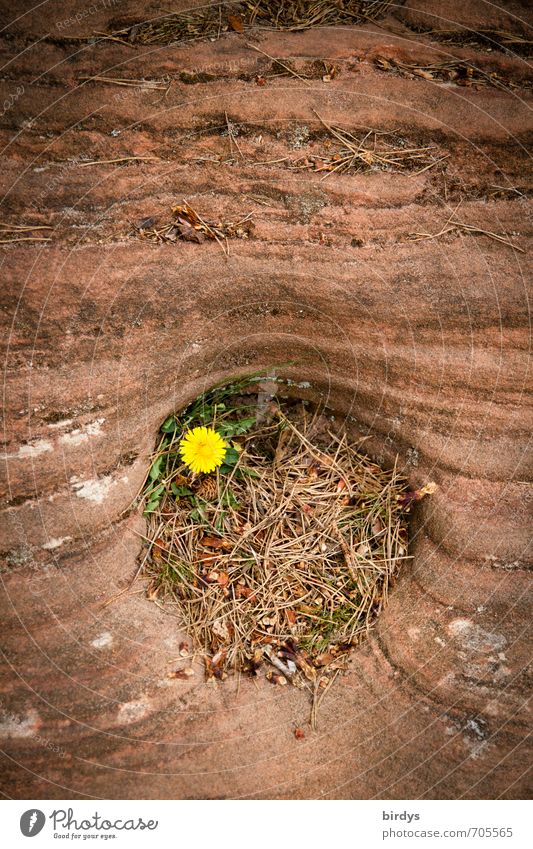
(202, 449)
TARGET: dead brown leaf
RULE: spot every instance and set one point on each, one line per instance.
(183, 674)
(407, 499)
(189, 233)
(235, 23)
(324, 659)
(216, 543)
(276, 678)
(244, 592)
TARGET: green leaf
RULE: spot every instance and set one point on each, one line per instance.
(170, 425)
(151, 492)
(246, 424)
(226, 428)
(230, 428)
(231, 456)
(244, 471)
(180, 491)
(228, 499)
(155, 471)
(198, 515)
(151, 506)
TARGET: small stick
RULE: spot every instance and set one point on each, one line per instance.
(336, 133)
(118, 595)
(22, 227)
(271, 161)
(232, 140)
(105, 37)
(145, 558)
(431, 165)
(275, 661)
(318, 698)
(273, 59)
(208, 228)
(473, 229)
(345, 553)
(121, 159)
(153, 85)
(25, 239)
(467, 228)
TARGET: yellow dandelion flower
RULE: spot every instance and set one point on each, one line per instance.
(202, 449)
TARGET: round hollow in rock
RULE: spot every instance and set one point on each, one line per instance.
(271, 534)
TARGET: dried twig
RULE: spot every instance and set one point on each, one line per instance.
(373, 150)
(278, 62)
(213, 20)
(457, 71)
(21, 233)
(189, 225)
(151, 85)
(105, 36)
(120, 159)
(231, 136)
(454, 226)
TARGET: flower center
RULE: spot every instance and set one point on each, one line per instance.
(204, 448)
